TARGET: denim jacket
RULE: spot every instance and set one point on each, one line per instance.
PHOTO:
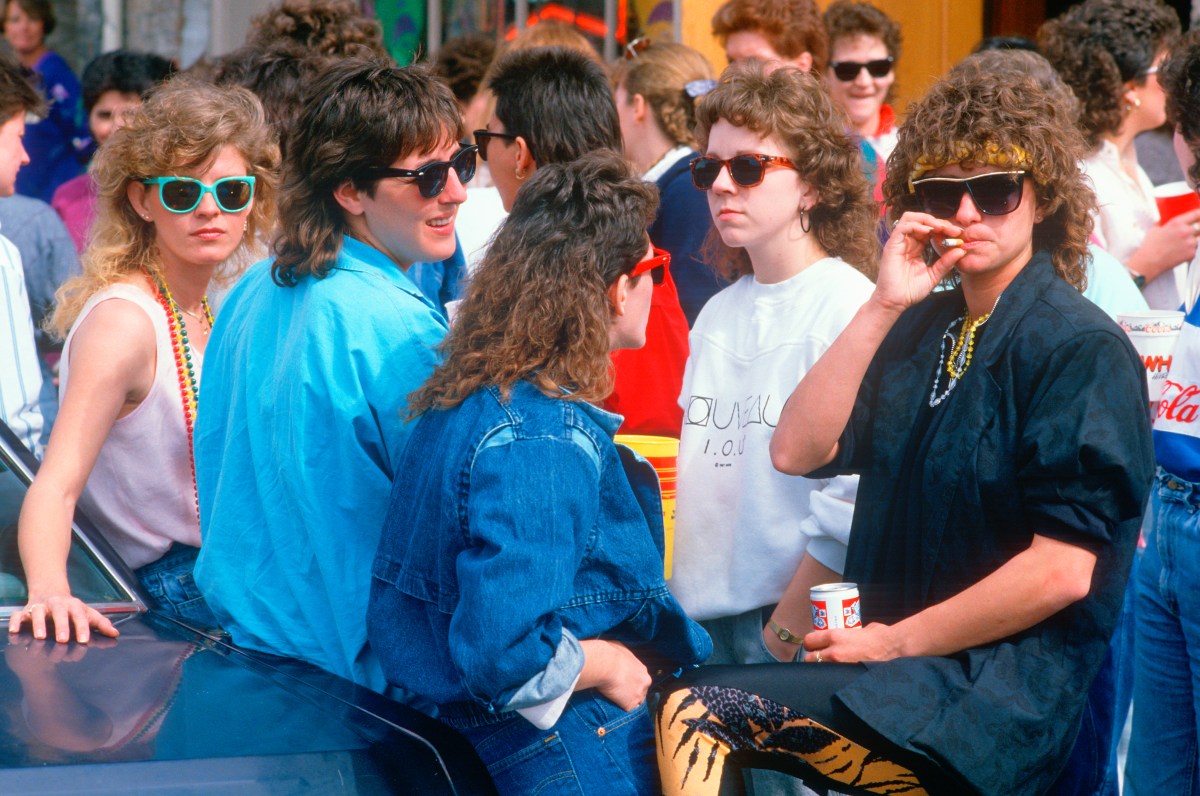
(516, 529)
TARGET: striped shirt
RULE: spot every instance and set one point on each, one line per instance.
(20, 374)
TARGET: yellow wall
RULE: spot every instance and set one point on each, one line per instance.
(937, 33)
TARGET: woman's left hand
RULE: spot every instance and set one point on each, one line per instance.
(873, 642)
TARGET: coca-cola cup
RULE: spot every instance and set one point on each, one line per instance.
(1174, 198)
(1153, 333)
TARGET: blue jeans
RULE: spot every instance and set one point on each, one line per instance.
(1166, 692)
(595, 748)
(169, 582)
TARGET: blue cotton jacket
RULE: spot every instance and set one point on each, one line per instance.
(297, 444)
(517, 528)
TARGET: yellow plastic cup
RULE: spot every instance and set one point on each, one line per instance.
(663, 455)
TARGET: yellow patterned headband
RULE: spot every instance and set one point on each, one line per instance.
(1014, 158)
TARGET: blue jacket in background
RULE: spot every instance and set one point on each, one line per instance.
(516, 529)
(680, 226)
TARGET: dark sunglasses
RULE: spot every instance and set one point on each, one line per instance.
(656, 266)
(484, 137)
(432, 177)
(847, 71)
(995, 194)
(746, 170)
(183, 194)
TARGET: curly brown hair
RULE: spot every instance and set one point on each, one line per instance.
(325, 27)
(794, 108)
(1099, 46)
(990, 100)
(462, 62)
(1180, 78)
(845, 19)
(659, 73)
(791, 27)
(538, 306)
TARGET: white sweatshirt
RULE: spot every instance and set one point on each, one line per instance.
(741, 527)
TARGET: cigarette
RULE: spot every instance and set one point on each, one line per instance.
(950, 243)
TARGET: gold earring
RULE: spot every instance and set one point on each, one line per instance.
(1134, 103)
(520, 174)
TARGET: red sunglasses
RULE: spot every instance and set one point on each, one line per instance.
(656, 265)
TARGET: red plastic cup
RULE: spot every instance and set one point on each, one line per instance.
(1174, 198)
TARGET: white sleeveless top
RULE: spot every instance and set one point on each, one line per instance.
(140, 494)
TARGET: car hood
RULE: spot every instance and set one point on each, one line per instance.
(164, 708)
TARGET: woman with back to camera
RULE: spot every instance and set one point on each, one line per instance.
(1001, 435)
(1108, 52)
(656, 87)
(519, 580)
(183, 188)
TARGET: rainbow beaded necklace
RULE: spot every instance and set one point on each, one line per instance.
(189, 389)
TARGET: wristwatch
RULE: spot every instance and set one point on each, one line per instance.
(1138, 279)
(785, 635)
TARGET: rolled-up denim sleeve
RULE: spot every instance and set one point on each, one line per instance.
(532, 505)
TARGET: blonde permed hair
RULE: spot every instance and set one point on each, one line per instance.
(183, 125)
(794, 108)
(1004, 109)
(659, 73)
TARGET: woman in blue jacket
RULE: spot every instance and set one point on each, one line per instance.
(519, 581)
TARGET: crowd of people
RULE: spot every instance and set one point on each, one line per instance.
(341, 366)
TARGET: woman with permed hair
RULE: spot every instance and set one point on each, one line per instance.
(1108, 52)
(656, 88)
(864, 44)
(1000, 431)
(183, 188)
(519, 579)
(1162, 748)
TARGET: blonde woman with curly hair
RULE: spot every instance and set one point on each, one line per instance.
(519, 580)
(1001, 435)
(656, 88)
(183, 188)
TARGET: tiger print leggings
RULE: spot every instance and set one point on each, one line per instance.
(702, 729)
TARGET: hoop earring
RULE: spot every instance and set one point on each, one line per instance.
(520, 175)
(805, 227)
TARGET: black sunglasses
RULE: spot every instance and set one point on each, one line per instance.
(846, 71)
(484, 137)
(746, 170)
(995, 194)
(432, 177)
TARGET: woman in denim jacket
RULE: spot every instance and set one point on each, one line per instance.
(519, 581)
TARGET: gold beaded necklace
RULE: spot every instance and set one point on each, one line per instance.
(964, 346)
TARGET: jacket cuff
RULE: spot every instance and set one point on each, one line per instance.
(554, 681)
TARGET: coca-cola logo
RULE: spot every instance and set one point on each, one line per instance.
(1179, 404)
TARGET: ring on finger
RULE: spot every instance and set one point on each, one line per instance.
(818, 656)
(29, 608)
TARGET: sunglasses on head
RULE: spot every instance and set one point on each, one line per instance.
(183, 194)
(746, 170)
(637, 47)
(995, 194)
(656, 265)
(484, 137)
(847, 71)
(431, 178)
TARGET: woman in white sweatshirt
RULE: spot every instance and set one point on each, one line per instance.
(795, 227)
